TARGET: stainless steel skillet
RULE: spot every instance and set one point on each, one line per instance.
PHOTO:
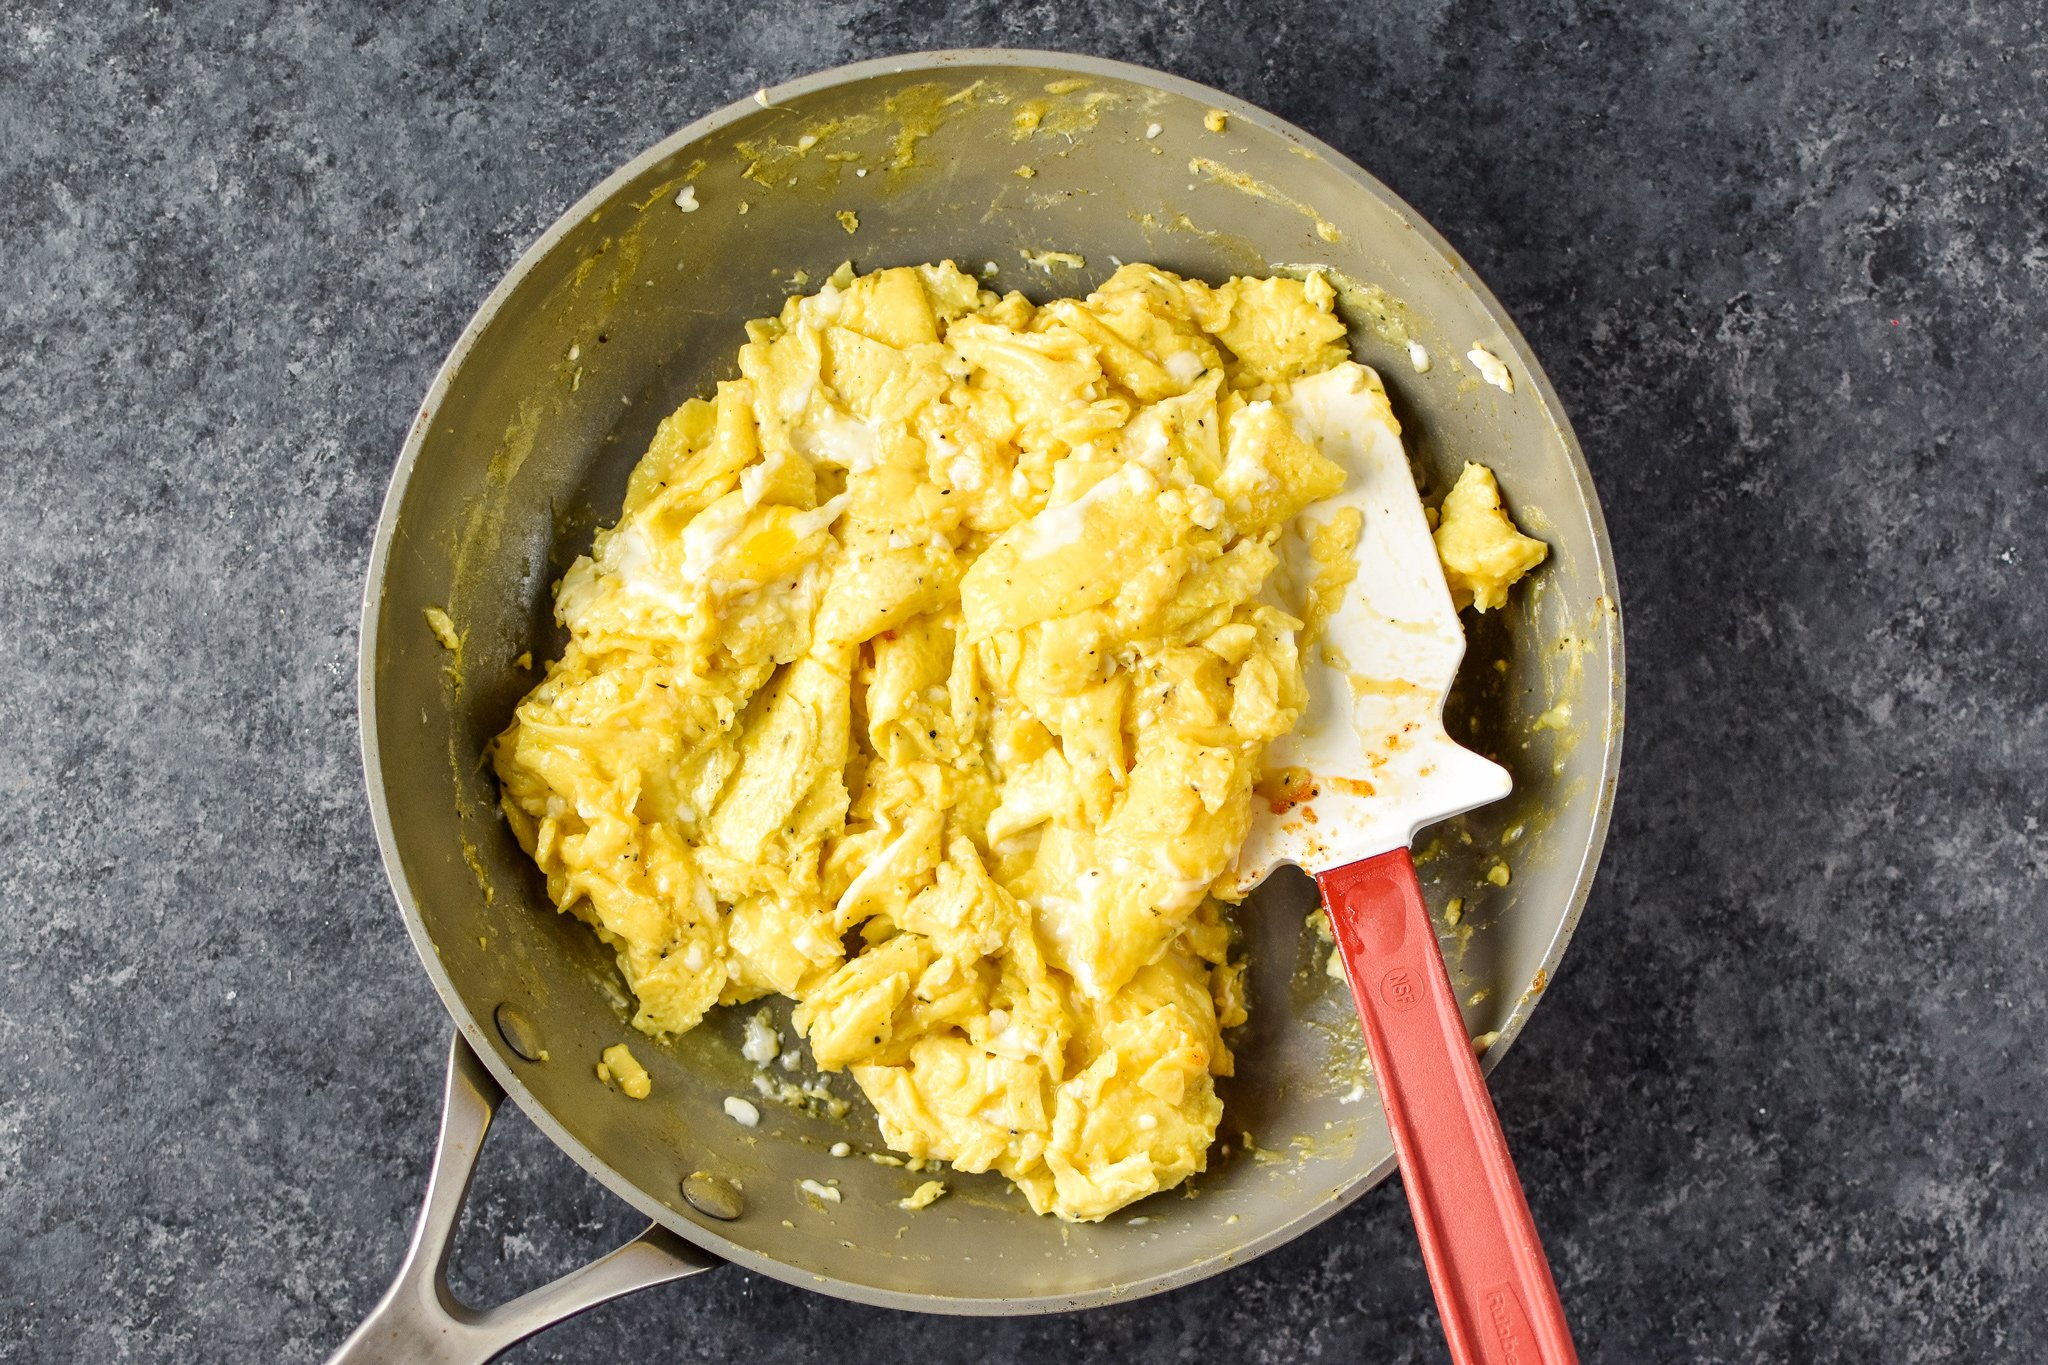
(632, 302)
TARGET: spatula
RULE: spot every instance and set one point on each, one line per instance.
(1369, 765)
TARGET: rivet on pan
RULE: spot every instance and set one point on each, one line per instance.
(712, 1196)
(519, 1033)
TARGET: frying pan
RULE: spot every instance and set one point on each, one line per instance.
(632, 302)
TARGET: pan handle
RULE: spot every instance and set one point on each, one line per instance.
(420, 1321)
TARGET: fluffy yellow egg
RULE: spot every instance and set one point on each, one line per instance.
(924, 679)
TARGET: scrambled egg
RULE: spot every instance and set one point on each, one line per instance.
(924, 679)
(1482, 552)
(621, 1065)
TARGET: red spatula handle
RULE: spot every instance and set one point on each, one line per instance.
(1492, 1283)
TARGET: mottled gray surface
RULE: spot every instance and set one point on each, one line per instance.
(1788, 265)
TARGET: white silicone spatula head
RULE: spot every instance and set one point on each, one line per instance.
(1370, 761)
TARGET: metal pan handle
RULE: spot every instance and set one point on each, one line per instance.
(420, 1321)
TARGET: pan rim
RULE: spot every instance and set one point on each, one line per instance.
(474, 1030)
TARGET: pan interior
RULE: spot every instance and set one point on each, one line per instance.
(634, 303)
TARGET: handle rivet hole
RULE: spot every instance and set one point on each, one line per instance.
(713, 1196)
(519, 1033)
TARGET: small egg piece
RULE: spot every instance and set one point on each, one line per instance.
(1491, 368)
(625, 1068)
(923, 1197)
(1482, 550)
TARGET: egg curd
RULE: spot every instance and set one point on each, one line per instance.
(1482, 551)
(924, 680)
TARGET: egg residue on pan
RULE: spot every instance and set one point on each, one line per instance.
(924, 679)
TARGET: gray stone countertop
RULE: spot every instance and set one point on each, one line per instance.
(1788, 267)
